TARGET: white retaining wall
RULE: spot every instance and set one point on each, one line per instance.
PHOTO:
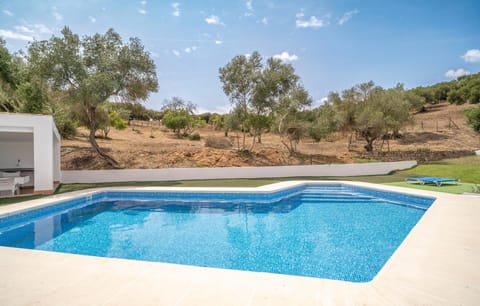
(173, 174)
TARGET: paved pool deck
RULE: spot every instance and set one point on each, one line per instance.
(437, 264)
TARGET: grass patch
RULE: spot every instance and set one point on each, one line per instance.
(467, 169)
(448, 188)
(11, 200)
(379, 179)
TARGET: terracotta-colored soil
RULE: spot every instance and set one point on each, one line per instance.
(438, 133)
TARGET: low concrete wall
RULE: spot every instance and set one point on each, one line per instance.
(173, 174)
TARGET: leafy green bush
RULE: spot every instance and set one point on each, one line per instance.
(473, 118)
(33, 98)
(195, 136)
(178, 121)
(67, 127)
(476, 188)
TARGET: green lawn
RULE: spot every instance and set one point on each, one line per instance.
(12, 200)
(467, 169)
(448, 188)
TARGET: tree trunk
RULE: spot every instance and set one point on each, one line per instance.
(350, 141)
(369, 145)
(244, 136)
(93, 141)
(253, 141)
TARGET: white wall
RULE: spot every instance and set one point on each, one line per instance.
(11, 151)
(172, 174)
(43, 156)
(57, 172)
(44, 133)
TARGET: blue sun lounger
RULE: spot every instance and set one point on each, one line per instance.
(432, 180)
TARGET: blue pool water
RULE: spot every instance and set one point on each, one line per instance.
(334, 231)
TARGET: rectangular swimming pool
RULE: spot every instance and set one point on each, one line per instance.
(332, 231)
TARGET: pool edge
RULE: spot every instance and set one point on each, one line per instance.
(424, 269)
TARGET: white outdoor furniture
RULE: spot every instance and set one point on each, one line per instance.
(8, 184)
(9, 174)
(12, 178)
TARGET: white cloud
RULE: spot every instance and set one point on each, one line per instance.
(249, 5)
(92, 19)
(320, 102)
(34, 29)
(176, 9)
(14, 35)
(247, 55)
(143, 2)
(265, 20)
(284, 56)
(23, 29)
(212, 19)
(456, 73)
(472, 55)
(56, 14)
(223, 109)
(347, 16)
(313, 22)
(142, 11)
(218, 42)
(176, 53)
(7, 12)
(190, 49)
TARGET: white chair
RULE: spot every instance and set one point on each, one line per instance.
(9, 174)
(8, 184)
(17, 179)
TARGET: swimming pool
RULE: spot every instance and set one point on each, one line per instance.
(335, 231)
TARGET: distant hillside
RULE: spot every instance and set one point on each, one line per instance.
(465, 89)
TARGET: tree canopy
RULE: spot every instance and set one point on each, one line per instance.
(473, 118)
(259, 92)
(372, 111)
(465, 89)
(93, 69)
(179, 116)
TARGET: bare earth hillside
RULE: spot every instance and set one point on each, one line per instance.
(440, 132)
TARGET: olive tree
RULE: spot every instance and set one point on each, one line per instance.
(94, 69)
(324, 122)
(371, 111)
(8, 80)
(290, 124)
(473, 118)
(240, 78)
(257, 91)
(179, 116)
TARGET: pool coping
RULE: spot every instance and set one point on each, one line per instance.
(437, 264)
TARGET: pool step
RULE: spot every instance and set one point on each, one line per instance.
(333, 196)
(344, 200)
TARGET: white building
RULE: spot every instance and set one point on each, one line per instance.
(31, 144)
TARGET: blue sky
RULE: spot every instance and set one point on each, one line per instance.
(333, 45)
